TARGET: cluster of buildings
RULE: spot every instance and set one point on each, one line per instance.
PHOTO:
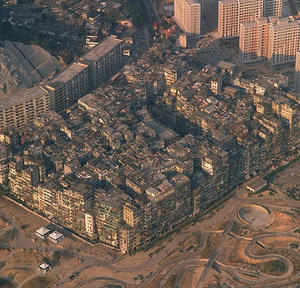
(263, 33)
(273, 38)
(158, 143)
(127, 161)
(58, 94)
(105, 176)
(233, 13)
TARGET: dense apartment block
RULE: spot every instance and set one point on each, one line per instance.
(187, 15)
(122, 172)
(104, 60)
(108, 214)
(232, 13)
(89, 72)
(23, 180)
(23, 107)
(71, 84)
(65, 89)
(274, 38)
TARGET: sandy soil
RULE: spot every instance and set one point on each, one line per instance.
(283, 222)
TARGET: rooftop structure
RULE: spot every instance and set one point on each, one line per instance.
(102, 48)
(43, 232)
(56, 236)
(44, 267)
(256, 185)
(68, 74)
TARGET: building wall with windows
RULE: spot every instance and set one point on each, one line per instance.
(233, 13)
(187, 15)
(274, 38)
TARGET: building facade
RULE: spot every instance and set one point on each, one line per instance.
(187, 15)
(274, 38)
(96, 66)
(23, 107)
(232, 13)
(104, 60)
(69, 86)
(272, 7)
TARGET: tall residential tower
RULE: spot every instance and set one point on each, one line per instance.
(232, 13)
(187, 15)
(274, 38)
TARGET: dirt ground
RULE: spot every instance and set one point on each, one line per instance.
(283, 222)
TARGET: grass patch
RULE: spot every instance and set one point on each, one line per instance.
(8, 236)
(290, 254)
(171, 281)
(294, 245)
(38, 282)
(210, 246)
(274, 267)
(172, 257)
(273, 173)
(236, 228)
(259, 191)
(198, 237)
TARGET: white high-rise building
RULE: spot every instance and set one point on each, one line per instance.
(233, 13)
(187, 14)
(274, 38)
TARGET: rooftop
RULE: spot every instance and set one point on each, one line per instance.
(70, 72)
(257, 184)
(102, 48)
(44, 266)
(22, 96)
(56, 235)
(42, 231)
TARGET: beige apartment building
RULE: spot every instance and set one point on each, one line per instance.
(23, 107)
(68, 86)
(233, 13)
(88, 73)
(273, 38)
(187, 14)
(104, 60)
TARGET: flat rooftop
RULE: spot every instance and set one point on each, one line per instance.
(70, 72)
(257, 184)
(102, 48)
(23, 95)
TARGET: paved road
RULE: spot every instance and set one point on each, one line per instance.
(215, 253)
